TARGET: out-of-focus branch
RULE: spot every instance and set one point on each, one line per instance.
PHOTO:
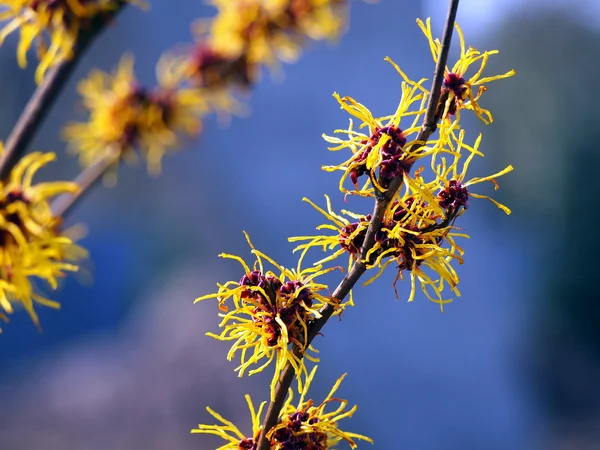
(46, 94)
(359, 267)
(88, 178)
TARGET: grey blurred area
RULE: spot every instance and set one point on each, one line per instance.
(511, 364)
(144, 387)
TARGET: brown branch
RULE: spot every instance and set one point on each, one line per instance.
(47, 93)
(359, 267)
(87, 179)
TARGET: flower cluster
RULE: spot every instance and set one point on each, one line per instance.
(267, 315)
(247, 34)
(457, 91)
(421, 188)
(53, 25)
(305, 426)
(383, 153)
(387, 151)
(124, 115)
(32, 244)
(418, 230)
(244, 35)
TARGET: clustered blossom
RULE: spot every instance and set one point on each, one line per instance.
(247, 34)
(232, 47)
(412, 235)
(53, 25)
(268, 314)
(125, 115)
(32, 246)
(457, 91)
(417, 233)
(385, 152)
(304, 426)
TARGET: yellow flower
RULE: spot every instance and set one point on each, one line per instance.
(454, 192)
(264, 31)
(246, 34)
(32, 245)
(304, 426)
(414, 235)
(212, 71)
(125, 115)
(457, 92)
(417, 231)
(229, 432)
(54, 25)
(384, 151)
(270, 313)
(310, 426)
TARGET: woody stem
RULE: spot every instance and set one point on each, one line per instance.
(46, 94)
(87, 179)
(429, 126)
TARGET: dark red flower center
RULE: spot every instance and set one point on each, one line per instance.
(392, 164)
(284, 300)
(454, 196)
(456, 84)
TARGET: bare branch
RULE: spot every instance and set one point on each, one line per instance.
(87, 179)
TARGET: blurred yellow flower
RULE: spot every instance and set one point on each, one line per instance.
(270, 314)
(457, 92)
(124, 115)
(54, 25)
(267, 30)
(305, 426)
(32, 245)
(247, 34)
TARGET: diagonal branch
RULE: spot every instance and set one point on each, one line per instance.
(383, 200)
(47, 92)
(88, 178)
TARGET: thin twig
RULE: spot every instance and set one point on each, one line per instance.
(359, 267)
(88, 178)
(46, 94)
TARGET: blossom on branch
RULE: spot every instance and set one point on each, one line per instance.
(408, 236)
(384, 151)
(264, 31)
(53, 25)
(417, 232)
(33, 248)
(454, 190)
(244, 35)
(302, 426)
(457, 91)
(125, 115)
(267, 314)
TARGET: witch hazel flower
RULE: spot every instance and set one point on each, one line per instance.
(384, 151)
(125, 116)
(302, 425)
(458, 89)
(52, 25)
(267, 314)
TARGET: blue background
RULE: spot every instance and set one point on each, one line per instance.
(125, 363)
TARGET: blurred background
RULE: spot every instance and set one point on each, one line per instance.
(512, 364)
